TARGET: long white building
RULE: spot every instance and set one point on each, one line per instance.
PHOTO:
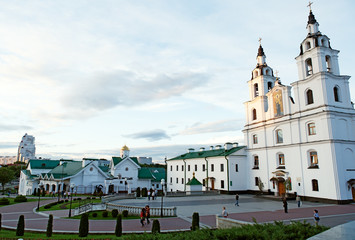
(299, 138)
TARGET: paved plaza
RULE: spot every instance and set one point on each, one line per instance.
(263, 210)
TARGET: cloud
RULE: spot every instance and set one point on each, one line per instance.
(219, 126)
(153, 135)
(127, 88)
(9, 127)
(8, 145)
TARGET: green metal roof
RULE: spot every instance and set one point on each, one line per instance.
(105, 169)
(194, 181)
(43, 164)
(155, 174)
(66, 169)
(117, 160)
(28, 174)
(208, 153)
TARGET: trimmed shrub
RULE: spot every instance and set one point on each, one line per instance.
(35, 192)
(20, 198)
(118, 230)
(4, 201)
(195, 221)
(156, 226)
(94, 215)
(105, 214)
(66, 200)
(138, 192)
(20, 230)
(114, 213)
(50, 226)
(61, 201)
(84, 225)
(88, 197)
(79, 199)
(125, 213)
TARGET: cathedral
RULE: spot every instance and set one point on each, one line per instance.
(300, 139)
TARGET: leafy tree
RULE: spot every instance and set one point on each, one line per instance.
(6, 175)
(50, 226)
(17, 167)
(20, 230)
(118, 230)
(260, 185)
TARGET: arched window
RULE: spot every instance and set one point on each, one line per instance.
(336, 94)
(309, 69)
(308, 44)
(322, 42)
(254, 114)
(279, 137)
(256, 90)
(309, 96)
(267, 72)
(256, 74)
(315, 185)
(269, 86)
(311, 128)
(256, 162)
(328, 62)
(313, 158)
(281, 160)
(255, 139)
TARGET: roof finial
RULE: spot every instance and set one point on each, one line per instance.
(193, 175)
(260, 40)
(310, 6)
(276, 73)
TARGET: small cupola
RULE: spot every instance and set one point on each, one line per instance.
(312, 24)
(261, 56)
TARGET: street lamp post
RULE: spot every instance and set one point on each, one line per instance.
(162, 196)
(39, 194)
(71, 197)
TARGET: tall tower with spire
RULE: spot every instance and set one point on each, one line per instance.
(302, 141)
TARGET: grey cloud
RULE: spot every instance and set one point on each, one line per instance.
(124, 88)
(219, 126)
(153, 135)
(8, 145)
(9, 127)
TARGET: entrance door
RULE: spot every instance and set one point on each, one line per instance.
(212, 184)
(353, 190)
(282, 189)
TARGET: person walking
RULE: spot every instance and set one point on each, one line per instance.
(298, 200)
(224, 212)
(153, 195)
(147, 213)
(316, 216)
(143, 213)
(149, 195)
(236, 200)
(284, 201)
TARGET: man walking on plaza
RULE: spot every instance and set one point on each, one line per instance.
(236, 200)
(284, 204)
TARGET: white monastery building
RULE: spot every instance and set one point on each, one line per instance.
(26, 149)
(300, 139)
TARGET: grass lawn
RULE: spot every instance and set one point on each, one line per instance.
(100, 217)
(12, 201)
(66, 205)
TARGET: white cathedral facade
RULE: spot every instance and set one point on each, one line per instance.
(299, 138)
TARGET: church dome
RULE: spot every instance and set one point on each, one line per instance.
(125, 148)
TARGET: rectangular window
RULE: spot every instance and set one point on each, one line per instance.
(171, 168)
(222, 167)
(203, 182)
(212, 167)
(255, 139)
(182, 167)
(311, 129)
(256, 181)
(182, 180)
(177, 168)
(195, 167)
(203, 167)
(279, 136)
(157, 186)
(236, 167)
(256, 162)
(315, 185)
(314, 158)
(281, 160)
(188, 168)
(171, 180)
(177, 180)
(222, 183)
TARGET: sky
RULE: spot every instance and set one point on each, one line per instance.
(87, 77)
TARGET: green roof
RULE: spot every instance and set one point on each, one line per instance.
(117, 160)
(155, 174)
(194, 181)
(105, 169)
(208, 153)
(67, 169)
(28, 174)
(43, 164)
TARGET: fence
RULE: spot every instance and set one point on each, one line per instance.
(222, 222)
(114, 197)
(192, 193)
(134, 210)
(88, 208)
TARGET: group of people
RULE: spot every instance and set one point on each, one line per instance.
(152, 194)
(145, 215)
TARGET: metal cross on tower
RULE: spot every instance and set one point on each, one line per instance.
(260, 40)
(309, 5)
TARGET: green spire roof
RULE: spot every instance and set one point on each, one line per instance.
(117, 160)
(194, 181)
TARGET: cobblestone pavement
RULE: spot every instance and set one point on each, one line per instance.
(263, 210)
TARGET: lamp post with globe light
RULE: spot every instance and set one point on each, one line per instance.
(71, 197)
(162, 196)
(40, 186)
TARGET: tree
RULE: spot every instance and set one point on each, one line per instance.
(195, 221)
(118, 230)
(84, 225)
(50, 226)
(156, 226)
(260, 185)
(20, 230)
(6, 175)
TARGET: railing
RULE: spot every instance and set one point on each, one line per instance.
(114, 197)
(198, 193)
(135, 210)
(88, 208)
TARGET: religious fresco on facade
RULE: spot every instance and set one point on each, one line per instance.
(278, 104)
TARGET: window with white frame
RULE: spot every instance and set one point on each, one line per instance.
(311, 128)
